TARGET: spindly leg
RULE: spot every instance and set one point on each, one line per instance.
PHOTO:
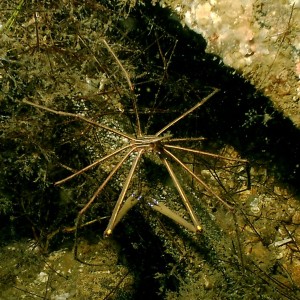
(115, 213)
(115, 169)
(94, 164)
(101, 187)
(197, 179)
(205, 153)
(81, 118)
(182, 195)
(187, 112)
(163, 209)
(129, 203)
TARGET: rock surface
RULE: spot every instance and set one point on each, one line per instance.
(259, 39)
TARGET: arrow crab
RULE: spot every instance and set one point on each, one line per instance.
(163, 146)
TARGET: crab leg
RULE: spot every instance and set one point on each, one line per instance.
(130, 202)
(114, 170)
(79, 117)
(83, 210)
(163, 209)
(182, 195)
(115, 213)
(197, 178)
(139, 131)
(174, 140)
(205, 153)
(188, 112)
(97, 162)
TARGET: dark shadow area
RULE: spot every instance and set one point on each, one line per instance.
(238, 115)
(145, 254)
